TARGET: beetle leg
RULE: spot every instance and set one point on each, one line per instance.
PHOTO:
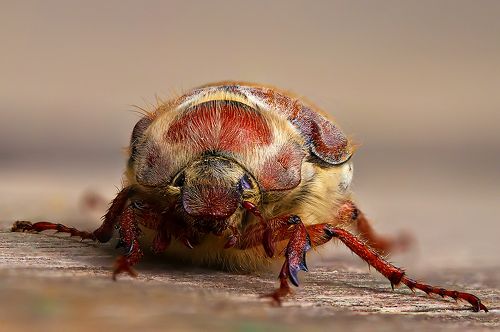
(266, 234)
(105, 231)
(151, 219)
(349, 213)
(26, 226)
(129, 232)
(117, 213)
(161, 240)
(322, 233)
(295, 252)
(284, 289)
(102, 234)
(276, 230)
(295, 255)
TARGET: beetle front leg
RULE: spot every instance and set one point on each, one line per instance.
(129, 232)
(265, 233)
(276, 230)
(295, 259)
(322, 233)
(102, 234)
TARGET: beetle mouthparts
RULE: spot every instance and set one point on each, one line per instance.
(212, 188)
(210, 202)
(215, 226)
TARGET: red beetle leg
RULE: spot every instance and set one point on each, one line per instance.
(252, 208)
(295, 259)
(105, 231)
(161, 241)
(322, 233)
(266, 234)
(296, 250)
(26, 226)
(102, 234)
(129, 232)
(284, 289)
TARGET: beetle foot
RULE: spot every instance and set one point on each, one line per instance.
(22, 226)
(278, 295)
(122, 265)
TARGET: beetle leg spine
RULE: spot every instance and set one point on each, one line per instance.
(393, 273)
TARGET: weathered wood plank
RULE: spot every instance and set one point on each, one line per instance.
(53, 281)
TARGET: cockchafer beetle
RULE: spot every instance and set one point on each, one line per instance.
(234, 175)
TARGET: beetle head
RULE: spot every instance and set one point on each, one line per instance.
(212, 190)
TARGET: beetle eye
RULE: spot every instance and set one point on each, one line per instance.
(245, 183)
(179, 180)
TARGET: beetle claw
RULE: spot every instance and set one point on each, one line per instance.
(187, 243)
(293, 270)
(296, 255)
(292, 275)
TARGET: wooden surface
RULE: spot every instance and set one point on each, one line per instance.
(54, 283)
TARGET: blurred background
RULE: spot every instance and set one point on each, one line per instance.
(416, 83)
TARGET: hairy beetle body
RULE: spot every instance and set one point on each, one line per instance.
(236, 175)
(263, 130)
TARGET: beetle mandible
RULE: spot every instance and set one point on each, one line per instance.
(234, 175)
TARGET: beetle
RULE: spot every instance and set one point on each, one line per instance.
(235, 175)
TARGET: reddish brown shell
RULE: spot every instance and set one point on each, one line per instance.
(324, 139)
(268, 132)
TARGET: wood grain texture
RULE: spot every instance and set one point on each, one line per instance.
(54, 282)
(51, 282)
